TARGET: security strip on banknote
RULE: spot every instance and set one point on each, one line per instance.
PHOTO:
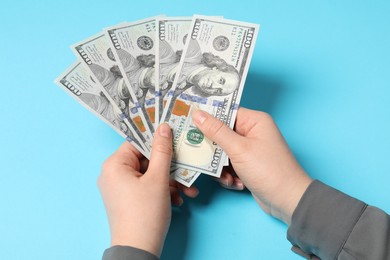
(210, 76)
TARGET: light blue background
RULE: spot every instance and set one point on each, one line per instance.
(320, 68)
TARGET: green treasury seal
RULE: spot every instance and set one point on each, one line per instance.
(195, 136)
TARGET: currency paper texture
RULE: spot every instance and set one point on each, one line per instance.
(134, 47)
(171, 36)
(137, 75)
(210, 77)
(77, 82)
(172, 33)
(184, 176)
(97, 54)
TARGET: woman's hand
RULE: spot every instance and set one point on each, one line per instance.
(137, 194)
(261, 159)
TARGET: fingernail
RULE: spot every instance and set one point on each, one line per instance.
(196, 193)
(199, 116)
(181, 201)
(227, 183)
(165, 130)
(239, 186)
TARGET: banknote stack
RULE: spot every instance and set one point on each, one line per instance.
(136, 75)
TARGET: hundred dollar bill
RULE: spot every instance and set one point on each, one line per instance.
(133, 46)
(171, 35)
(210, 77)
(97, 54)
(77, 82)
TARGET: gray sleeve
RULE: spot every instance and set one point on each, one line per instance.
(329, 224)
(127, 253)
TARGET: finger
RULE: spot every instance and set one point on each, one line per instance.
(125, 149)
(127, 155)
(226, 179)
(190, 192)
(243, 116)
(230, 182)
(217, 131)
(144, 163)
(237, 184)
(161, 155)
(248, 119)
(176, 199)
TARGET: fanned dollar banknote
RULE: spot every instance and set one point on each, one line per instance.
(97, 54)
(77, 81)
(133, 46)
(210, 76)
(136, 75)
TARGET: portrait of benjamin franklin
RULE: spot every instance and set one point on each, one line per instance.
(206, 74)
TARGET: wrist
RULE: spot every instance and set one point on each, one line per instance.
(155, 250)
(138, 240)
(294, 194)
(288, 199)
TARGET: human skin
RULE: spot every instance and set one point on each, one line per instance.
(261, 159)
(216, 82)
(138, 193)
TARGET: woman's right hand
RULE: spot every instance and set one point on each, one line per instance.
(261, 158)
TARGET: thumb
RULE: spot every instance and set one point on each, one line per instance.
(217, 131)
(161, 155)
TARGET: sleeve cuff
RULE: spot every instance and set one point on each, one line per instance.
(323, 221)
(127, 253)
